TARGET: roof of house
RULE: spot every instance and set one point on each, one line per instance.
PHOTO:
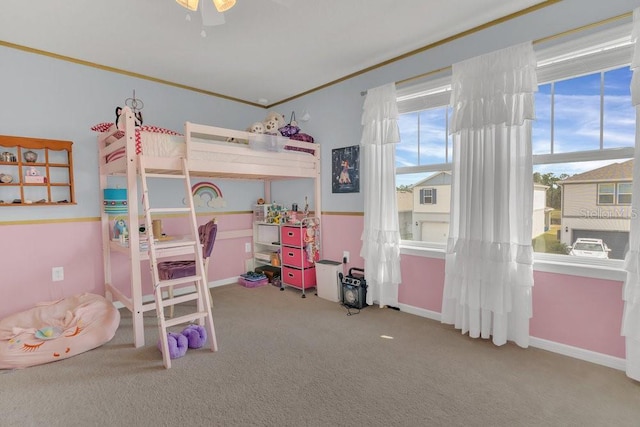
(438, 178)
(613, 172)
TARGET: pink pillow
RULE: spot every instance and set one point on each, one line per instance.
(101, 127)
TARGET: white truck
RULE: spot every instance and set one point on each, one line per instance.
(592, 248)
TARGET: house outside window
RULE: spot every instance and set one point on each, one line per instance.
(585, 216)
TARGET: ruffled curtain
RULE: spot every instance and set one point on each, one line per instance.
(631, 290)
(381, 235)
(489, 259)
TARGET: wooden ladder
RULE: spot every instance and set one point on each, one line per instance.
(186, 245)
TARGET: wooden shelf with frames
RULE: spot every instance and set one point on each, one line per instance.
(35, 172)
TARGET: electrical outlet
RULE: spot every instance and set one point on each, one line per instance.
(247, 247)
(345, 256)
(57, 274)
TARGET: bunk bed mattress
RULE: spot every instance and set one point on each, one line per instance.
(159, 142)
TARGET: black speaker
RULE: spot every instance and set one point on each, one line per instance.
(354, 289)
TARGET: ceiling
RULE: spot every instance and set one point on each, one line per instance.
(266, 52)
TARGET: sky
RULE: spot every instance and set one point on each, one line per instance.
(576, 125)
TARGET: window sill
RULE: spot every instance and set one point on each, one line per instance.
(422, 250)
(610, 269)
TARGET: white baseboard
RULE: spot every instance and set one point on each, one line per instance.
(554, 347)
(579, 353)
(433, 315)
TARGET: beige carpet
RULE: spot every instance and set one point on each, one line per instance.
(288, 361)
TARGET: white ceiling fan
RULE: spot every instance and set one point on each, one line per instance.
(212, 10)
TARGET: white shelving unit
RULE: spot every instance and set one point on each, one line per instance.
(266, 237)
(266, 242)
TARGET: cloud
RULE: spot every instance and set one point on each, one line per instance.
(208, 202)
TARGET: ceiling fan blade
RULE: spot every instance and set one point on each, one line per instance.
(210, 16)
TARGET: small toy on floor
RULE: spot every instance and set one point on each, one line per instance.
(193, 336)
(178, 345)
(196, 335)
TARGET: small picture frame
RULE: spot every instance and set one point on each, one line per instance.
(345, 168)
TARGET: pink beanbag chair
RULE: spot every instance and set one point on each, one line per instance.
(56, 330)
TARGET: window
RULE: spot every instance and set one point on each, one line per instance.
(614, 193)
(423, 162)
(428, 196)
(588, 117)
(624, 193)
(605, 193)
(583, 142)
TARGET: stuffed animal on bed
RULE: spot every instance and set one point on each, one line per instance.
(257, 127)
(136, 114)
(273, 122)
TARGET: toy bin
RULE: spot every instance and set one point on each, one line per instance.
(252, 283)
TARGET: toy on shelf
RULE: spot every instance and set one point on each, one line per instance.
(32, 176)
(311, 239)
(120, 230)
(277, 214)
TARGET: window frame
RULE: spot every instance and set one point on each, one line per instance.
(620, 193)
(432, 196)
(599, 202)
(611, 53)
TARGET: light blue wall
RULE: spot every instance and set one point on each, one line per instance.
(336, 111)
(49, 98)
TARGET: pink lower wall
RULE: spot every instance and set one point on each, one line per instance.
(25, 269)
(571, 310)
(422, 282)
(576, 311)
(342, 233)
(32, 250)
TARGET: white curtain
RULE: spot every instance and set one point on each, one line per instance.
(381, 235)
(489, 259)
(631, 292)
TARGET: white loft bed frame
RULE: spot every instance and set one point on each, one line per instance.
(208, 155)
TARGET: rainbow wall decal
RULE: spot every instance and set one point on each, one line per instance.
(207, 195)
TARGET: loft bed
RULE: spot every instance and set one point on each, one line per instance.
(210, 152)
